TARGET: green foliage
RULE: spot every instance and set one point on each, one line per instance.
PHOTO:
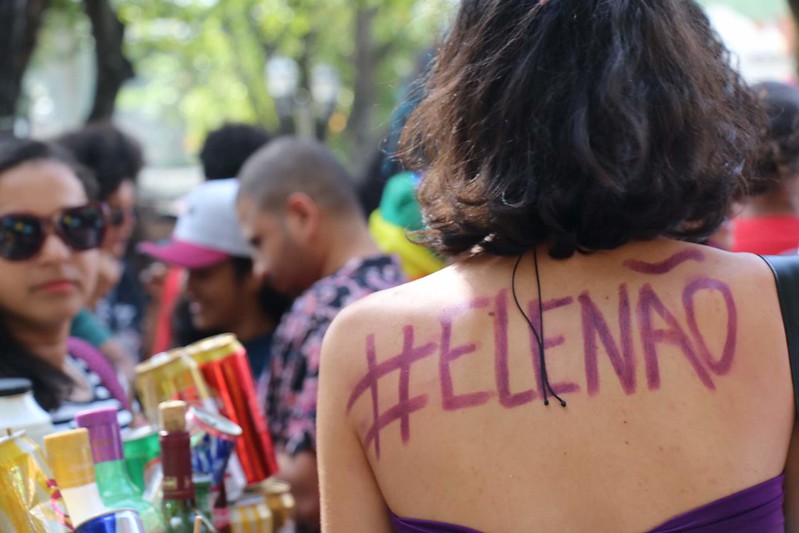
(201, 62)
(757, 9)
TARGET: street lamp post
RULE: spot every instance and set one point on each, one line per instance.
(302, 110)
(282, 79)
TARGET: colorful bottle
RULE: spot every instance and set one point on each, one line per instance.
(69, 454)
(178, 506)
(116, 489)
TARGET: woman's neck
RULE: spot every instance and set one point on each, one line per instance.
(47, 343)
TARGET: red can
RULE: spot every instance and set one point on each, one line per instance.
(223, 362)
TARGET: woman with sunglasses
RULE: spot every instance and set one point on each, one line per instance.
(49, 235)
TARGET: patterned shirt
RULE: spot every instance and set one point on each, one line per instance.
(95, 395)
(289, 389)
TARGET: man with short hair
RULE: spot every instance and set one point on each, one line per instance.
(298, 208)
(224, 293)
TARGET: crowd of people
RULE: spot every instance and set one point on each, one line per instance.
(596, 356)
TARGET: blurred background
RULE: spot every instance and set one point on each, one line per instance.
(169, 71)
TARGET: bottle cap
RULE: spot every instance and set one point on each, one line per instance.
(14, 386)
(104, 434)
(172, 416)
(69, 454)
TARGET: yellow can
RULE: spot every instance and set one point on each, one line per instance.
(30, 499)
(213, 348)
(171, 375)
(251, 514)
(278, 497)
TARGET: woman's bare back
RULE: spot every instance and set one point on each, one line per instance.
(671, 358)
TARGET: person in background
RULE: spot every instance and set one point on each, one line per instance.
(583, 365)
(768, 222)
(170, 320)
(50, 236)
(223, 293)
(391, 223)
(227, 148)
(298, 209)
(118, 303)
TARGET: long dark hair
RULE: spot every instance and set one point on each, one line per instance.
(50, 384)
(580, 123)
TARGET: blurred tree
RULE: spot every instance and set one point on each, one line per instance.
(20, 21)
(202, 62)
(794, 5)
(113, 68)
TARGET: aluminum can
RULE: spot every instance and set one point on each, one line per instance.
(223, 362)
(141, 453)
(118, 521)
(29, 497)
(214, 438)
(281, 503)
(169, 376)
(251, 514)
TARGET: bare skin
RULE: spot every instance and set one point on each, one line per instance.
(671, 358)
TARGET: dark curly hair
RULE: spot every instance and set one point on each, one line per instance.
(780, 155)
(111, 154)
(50, 384)
(226, 149)
(583, 124)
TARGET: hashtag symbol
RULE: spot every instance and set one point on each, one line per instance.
(406, 405)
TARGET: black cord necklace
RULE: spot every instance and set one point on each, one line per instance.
(539, 334)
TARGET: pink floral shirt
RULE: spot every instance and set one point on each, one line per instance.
(289, 387)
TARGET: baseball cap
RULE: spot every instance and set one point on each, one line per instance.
(207, 231)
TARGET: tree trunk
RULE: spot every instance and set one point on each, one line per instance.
(364, 140)
(794, 5)
(20, 21)
(113, 68)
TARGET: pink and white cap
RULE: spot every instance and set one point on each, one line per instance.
(207, 232)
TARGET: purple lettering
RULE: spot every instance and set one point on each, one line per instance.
(449, 354)
(666, 266)
(594, 325)
(549, 342)
(405, 405)
(501, 371)
(650, 337)
(722, 366)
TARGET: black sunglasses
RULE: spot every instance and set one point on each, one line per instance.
(23, 235)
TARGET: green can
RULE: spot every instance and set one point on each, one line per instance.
(141, 448)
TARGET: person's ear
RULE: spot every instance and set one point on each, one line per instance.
(303, 217)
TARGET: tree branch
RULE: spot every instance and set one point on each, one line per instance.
(113, 68)
(20, 21)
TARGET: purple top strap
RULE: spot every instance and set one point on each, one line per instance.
(757, 509)
(97, 363)
(406, 525)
